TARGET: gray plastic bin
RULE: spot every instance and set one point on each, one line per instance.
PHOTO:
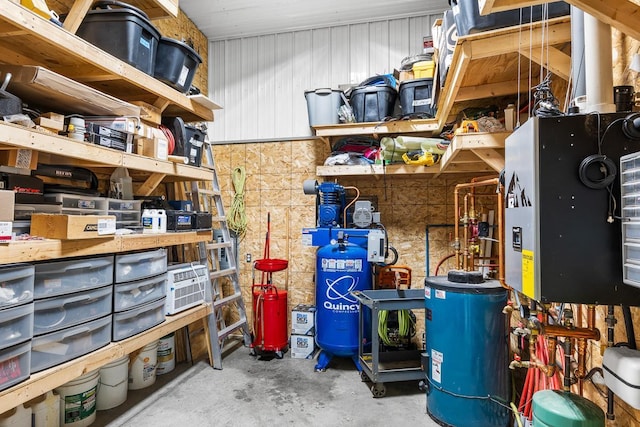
(323, 105)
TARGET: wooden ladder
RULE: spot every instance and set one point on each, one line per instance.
(206, 197)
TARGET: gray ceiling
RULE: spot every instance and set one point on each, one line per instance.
(225, 19)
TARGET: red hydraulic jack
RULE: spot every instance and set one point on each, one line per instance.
(270, 327)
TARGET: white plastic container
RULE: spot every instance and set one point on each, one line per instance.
(149, 221)
(112, 386)
(166, 354)
(142, 370)
(621, 367)
(78, 400)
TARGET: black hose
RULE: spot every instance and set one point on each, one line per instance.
(567, 364)
(628, 325)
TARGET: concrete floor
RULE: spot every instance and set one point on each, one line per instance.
(249, 391)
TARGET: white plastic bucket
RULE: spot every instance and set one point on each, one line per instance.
(112, 387)
(142, 366)
(78, 400)
(166, 354)
(16, 417)
(46, 410)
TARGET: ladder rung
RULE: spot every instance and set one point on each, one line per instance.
(218, 245)
(208, 192)
(219, 219)
(222, 273)
(223, 333)
(226, 300)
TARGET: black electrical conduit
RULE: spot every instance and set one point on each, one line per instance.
(628, 326)
(610, 330)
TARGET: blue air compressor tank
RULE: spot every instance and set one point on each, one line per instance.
(340, 269)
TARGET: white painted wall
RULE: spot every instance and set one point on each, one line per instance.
(260, 81)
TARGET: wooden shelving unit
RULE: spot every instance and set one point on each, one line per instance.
(28, 39)
(467, 153)
(49, 379)
(484, 66)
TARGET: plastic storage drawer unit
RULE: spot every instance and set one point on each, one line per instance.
(415, 96)
(131, 322)
(64, 277)
(176, 64)
(133, 294)
(16, 325)
(140, 265)
(52, 314)
(15, 364)
(373, 103)
(125, 32)
(73, 204)
(17, 284)
(58, 347)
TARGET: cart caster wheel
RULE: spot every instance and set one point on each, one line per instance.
(279, 354)
(364, 377)
(378, 390)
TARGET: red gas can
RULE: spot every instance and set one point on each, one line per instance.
(270, 323)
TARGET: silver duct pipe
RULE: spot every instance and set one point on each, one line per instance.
(598, 66)
(577, 53)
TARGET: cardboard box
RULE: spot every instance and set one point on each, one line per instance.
(157, 148)
(72, 227)
(53, 116)
(303, 319)
(7, 205)
(302, 347)
(23, 158)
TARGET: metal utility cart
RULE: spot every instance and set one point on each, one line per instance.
(387, 366)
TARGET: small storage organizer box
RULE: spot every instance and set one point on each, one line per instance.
(415, 96)
(176, 64)
(74, 204)
(125, 32)
(127, 212)
(72, 309)
(373, 103)
(140, 292)
(16, 323)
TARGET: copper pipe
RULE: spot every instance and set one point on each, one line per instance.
(563, 331)
(550, 368)
(582, 351)
(465, 224)
(591, 316)
(456, 208)
(579, 316)
(344, 212)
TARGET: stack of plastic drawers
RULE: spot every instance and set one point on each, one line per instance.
(72, 309)
(16, 323)
(127, 213)
(139, 292)
(73, 204)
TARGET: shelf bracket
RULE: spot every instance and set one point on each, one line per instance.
(491, 157)
(76, 15)
(150, 184)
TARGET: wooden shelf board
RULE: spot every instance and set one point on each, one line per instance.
(46, 380)
(622, 14)
(390, 127)
(40, 250)
(30, 40)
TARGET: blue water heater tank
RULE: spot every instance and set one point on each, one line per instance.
(466, 339)
(340, 269)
